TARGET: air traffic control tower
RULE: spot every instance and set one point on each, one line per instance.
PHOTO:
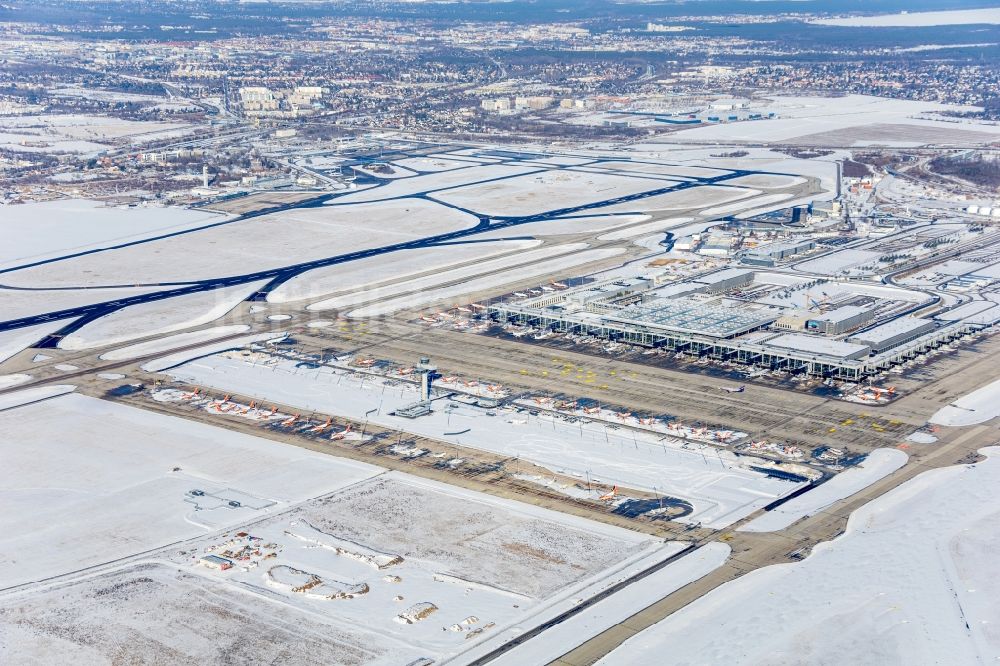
(428, 373)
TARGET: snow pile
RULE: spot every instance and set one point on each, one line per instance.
(416, 613)
(288, 578)
(305, 532)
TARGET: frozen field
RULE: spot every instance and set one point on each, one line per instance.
(364, 273)
(47, 229)
(539, 193)
(158, 317)
(879, 464)
(259, 243)
(155, 614)
(914, 580)
(714, 481)
(115, 480)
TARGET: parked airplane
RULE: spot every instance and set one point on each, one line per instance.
(734, 389)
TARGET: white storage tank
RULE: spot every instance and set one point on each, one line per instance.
(974, 210)
(985, 210)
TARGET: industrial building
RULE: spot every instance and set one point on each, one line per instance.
(893, 333)
(775, 252)
(840, 320)
(725, 280)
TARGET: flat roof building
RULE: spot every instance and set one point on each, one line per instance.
(893, 333)
(820, 346)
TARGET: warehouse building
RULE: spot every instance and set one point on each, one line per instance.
(841, 320)
(894, 333)
(725, 280)
(771, 254)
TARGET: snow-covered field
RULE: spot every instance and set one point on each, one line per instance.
(115, 480)
(158, 317)
(429, 570)
(918, 19)
(73, 133)
(915, 580)
(47, 229)
(851, 119)
(17, 303)
(434, 181)
(540, 269)
(879, 464)
(979, 406)
(461, 274)
(169, 342)
(18, 339)
(153, 613)
(258, 243)
(714, 481)
(603, 615)
(539, 193)
(695, 197)
(364, 273)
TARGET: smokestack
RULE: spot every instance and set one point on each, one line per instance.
(204, 175)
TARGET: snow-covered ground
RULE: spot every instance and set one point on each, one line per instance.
(43, 230)
(422, 284)
(560, 639)
(9, 401)
(704, 196)
(158, 317)
(915, 580)
(979, 406)
(259, 243)
(177, 358)
(539, 193)
(714, 481)
(857, 119)
(645, 229)
(918, 19)
(365, 273)
(75, 133)
(540, 269)
(115, 480)
(17, 303)
(169, 342)
(19, 339)
(879, 464)
(434, 181)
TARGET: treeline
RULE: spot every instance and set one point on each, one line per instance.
(976, 169)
